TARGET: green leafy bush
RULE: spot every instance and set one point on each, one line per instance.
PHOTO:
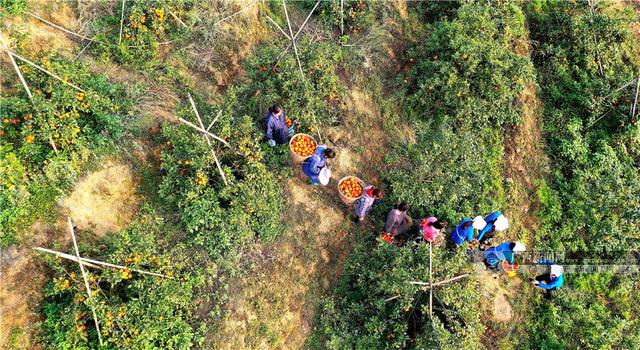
(583, 57)
(221, 218)
(135, 311)
(75, 123)
(360, 317)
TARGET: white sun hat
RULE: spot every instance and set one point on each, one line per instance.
(325, 176)
(519, 247)
(501, 223)
(479, 223)
(557, 270)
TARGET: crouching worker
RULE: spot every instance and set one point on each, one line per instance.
(314, 165)
(495, 222)
(431, 227)
(463, 233)
(549, 281)
(277, 129)
(363, 205)
(505, 251)
(398, 222)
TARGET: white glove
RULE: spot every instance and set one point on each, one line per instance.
(272, 143)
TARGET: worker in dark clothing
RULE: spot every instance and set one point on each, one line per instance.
(277, 130)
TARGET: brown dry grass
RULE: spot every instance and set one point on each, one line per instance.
(105, 200)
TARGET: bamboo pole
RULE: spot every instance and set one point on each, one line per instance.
(214, 120)
(235, 14)
(45, 71)
(448, 280)
(341, 17)
(278, 26)
(86, 281)
(430, 279)
(178, 19)
(97, 263)
(295, 47)
(57, 26)
(121, 22)
(635, 102)
(206, 137)
(15, 66)
(202, 130)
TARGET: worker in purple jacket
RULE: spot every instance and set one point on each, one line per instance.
(277, 130)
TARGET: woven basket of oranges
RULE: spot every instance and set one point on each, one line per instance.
(301, 147)
(350, 189)
(509, 269)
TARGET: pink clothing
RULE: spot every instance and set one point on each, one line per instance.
(429, 233)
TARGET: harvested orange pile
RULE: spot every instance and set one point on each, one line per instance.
(387, 238)
(350, 187)
(303, 145)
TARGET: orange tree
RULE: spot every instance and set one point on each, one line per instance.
(135, 311)
(33, 173)
(591, 201)
(147, 24)
(221, 218)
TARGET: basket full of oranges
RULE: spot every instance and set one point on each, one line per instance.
(510, 269)
(350, 188)
(302, 146)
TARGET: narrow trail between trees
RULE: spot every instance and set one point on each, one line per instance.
(524, 164)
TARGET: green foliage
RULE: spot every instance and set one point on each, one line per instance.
(32, 172)
(12, 7)
(470, 69)
(584, 57)
(360, 318)
(135, 311)
(147, 24)
(598, 312)
(317, 97)
(221, 218)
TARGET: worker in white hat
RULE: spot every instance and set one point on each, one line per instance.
(494, 222)
(550, 281)
(505, 251)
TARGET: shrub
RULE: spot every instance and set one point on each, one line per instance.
(221, 218)
(75, 122)
(135, 311)
(360, 318)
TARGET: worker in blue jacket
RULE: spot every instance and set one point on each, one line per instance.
(463, 232)
(505, 251)
(495, 222)
(550, 281)
(313, 165)
(277, 130)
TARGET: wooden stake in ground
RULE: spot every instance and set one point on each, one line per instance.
(64, 81)
(121, 22)
(86, 281)
(97, 264)
(295, 47)
(430, 279)
(83, 37)
(15, 66)
(206, 134)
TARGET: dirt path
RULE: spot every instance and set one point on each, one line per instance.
(505, 300)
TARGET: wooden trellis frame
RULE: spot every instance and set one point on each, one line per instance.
(430, 285)
(206, 134)
(85, 262)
